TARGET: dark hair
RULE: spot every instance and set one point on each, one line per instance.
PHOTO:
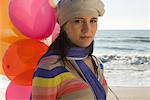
(62, 42)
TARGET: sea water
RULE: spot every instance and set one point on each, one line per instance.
(125, 55)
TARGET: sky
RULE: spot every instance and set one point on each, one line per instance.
(125, 14)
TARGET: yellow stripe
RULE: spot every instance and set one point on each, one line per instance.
(52, 82)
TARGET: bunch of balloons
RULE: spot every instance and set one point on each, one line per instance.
(25, 25)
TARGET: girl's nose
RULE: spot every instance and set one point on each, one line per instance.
(86, 27)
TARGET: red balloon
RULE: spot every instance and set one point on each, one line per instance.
(18, 92)
(21, 58)
(24, 78)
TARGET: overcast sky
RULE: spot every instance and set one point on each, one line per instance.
(125, 14)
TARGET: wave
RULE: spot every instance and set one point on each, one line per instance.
(125, 59)
(141, 37)
(123, 40)
(121, 48)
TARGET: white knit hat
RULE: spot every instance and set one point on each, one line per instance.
(68, 9)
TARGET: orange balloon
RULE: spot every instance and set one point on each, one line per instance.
(5, 41)
(1, 69)
(10, 39)
(3, 47)
(21, 57)
(8, 33)
(25, 78)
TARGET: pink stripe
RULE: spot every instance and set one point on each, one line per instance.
(71, 86)
(53, 90)
(65, 87)
(69, 82)
(44, 90)
(43, 97)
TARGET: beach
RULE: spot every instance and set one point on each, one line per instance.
(124, 80)
(130, 93)
(2, 94)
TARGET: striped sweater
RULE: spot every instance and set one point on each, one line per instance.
(54, 81)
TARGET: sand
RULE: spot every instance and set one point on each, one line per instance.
(124, 93)
(130, 93)
(2, 94)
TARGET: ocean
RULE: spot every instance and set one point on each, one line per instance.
(122, 41)
(125, 55)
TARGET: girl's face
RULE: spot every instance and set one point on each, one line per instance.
(81, 30)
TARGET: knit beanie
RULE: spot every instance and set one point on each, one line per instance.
(68, 9)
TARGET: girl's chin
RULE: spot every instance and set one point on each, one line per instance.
(83, 45)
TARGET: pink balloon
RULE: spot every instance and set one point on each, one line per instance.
(34, 18)
(48, 41)
(56, 32)
(18, 92)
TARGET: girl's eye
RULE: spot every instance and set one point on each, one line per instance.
(78, 21)
(93, 21)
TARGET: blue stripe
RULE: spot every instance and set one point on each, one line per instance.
(50, 73)
(77, 52)
(92, 80)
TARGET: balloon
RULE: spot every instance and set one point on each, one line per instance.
(56, 32)
(5, 41)
(6, 27)
(3, 48)
(34, 18)
(18, 92)
(24, 78)
(1, 69)
(22, 57)
(48, 41)
(9, 39)
(8, 33)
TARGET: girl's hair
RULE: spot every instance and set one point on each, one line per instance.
(62, 42)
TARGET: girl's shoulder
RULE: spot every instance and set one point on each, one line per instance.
(51, 70)
(49, 67)
(50, 62)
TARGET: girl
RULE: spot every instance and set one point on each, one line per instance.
(69, 70)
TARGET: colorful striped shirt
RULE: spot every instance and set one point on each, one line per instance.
(54, 81)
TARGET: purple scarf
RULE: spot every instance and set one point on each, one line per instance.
(77, 55)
